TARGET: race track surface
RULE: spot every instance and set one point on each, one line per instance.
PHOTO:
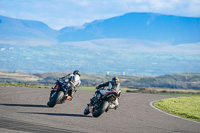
(24, 110)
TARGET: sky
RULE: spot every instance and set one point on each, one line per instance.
(58, 14)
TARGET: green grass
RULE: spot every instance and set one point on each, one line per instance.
(186, 107)
(166, 91)
(177, 92)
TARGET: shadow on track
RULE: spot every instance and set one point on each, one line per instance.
(23, 126)
(58, 114)
(26, 105)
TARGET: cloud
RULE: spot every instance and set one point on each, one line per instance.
(60, 13)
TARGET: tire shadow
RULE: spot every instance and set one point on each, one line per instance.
(26, 105)
(58, 114)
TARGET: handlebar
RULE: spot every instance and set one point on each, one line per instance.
(59, 83)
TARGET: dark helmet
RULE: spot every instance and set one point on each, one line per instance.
(115, 79)
(77, 72)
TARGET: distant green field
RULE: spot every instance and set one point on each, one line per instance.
(186, 107)
(166, 91)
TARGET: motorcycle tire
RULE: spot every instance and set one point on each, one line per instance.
(56, 99)
(101, 109)
(86, 111)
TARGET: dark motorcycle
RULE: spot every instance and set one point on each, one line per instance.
(99, 105)
(58, 94)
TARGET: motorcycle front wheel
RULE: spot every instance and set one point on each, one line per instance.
(86, 111)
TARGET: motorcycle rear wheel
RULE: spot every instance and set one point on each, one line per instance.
(57, 98)
(101, 109)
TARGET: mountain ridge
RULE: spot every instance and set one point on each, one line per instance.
(21, 31)
(145, 26)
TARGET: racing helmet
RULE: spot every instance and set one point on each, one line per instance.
(115, 79)
(77, 72)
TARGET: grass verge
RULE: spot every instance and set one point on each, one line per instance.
(186, 107)
(26, 85)
(178, 92)
(88, 88)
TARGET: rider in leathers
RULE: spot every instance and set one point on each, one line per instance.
(114, 85)
(71, 82)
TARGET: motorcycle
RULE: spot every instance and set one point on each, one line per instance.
(101, 103)
(58, 94)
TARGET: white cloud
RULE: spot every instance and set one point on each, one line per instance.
(2, 49)
(60, 13)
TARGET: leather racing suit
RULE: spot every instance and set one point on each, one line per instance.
(71, 82)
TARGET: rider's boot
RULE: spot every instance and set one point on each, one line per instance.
(116, 103)
(69, 98)
(116, 106)
(107, 110)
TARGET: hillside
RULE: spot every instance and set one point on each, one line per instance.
(143, 26)
(25, 32)
(174, 81)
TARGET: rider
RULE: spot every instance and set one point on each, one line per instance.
(114, 85)
(71, 82)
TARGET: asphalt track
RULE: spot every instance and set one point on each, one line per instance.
(24, 110)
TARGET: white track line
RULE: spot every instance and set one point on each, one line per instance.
(151, 104)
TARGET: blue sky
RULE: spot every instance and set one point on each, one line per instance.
(60, 13)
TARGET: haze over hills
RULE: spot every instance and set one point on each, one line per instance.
(133, 44)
